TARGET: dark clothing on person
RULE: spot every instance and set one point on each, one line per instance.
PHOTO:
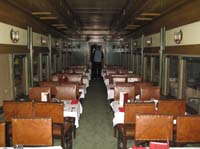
(92, 62)
(97, 62)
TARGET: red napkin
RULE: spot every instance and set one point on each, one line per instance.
(125, 98)
(121, 109)
(74, 101)
(135, 147)
(158, 145)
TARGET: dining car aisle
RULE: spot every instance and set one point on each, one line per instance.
(95, 130)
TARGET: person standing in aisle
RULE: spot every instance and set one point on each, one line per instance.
(93, 49)
(98, 60)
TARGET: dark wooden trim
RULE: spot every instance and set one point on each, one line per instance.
(5, 48)
(151, 50)
(137, 50)
(1, 109)
(54, 51)
(40, 49)
(186, 13)
(12, 15)
(183, 49)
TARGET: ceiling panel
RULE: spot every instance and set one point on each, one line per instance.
(117, 16)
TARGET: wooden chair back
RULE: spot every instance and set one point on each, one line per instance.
(78, 86)
(175, 107)
(35, 93)
(139, 85)
(32, 131)
(17, 109)
(153, 127)
(188, 129)
(131, 109)
(66, 92)
(51, 84)
(2, 134)
(148, 92)
(56, 111)
(53, 110)
(78, 78)
(124, 87)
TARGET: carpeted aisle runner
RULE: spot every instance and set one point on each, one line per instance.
(95, 130)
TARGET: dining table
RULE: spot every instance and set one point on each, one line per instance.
(73, 108)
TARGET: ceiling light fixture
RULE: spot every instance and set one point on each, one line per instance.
(41, 13)
(48, 18)
(150, 14)
(133, 25)
(58, 25)
(61, 27)
(129, 28)
(143, 19)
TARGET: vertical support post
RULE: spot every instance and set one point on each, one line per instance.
(60, 56)
(145, 68)
(30, 47)
(127, 58)
(137, 64)
(142, 55)
(49, 57)
(180, 80)
(131, 55)
(152, 69)
(162, 48)
(166, 76)
(120, 57)
(40, 67)
(27, 83)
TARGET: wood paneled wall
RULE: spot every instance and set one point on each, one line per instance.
(187, 13)
(11, 15)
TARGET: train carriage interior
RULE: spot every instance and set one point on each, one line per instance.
(111, 68)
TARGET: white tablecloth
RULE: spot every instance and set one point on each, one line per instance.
(115, 106)
(86, 82)
(73, 110)
(110, 91)
(118, 116)
(106, 81)
(88, 74)
(83, 92)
